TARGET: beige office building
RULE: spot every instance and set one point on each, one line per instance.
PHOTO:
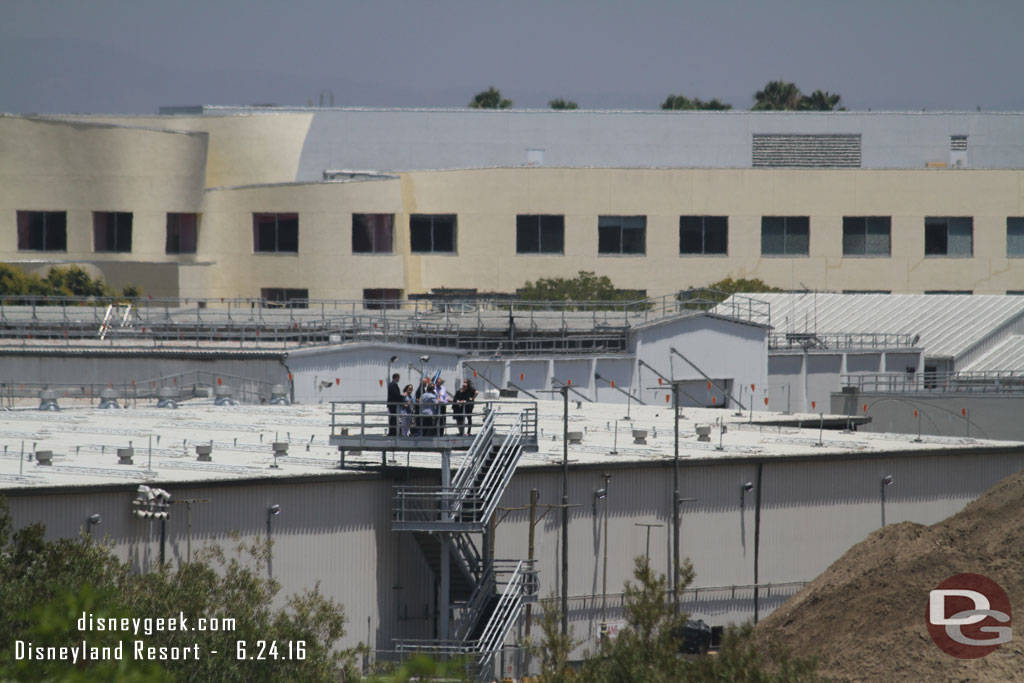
(363, 204)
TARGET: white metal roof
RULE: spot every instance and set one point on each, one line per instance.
(85, 440)
(1008, 354)
(949, 325)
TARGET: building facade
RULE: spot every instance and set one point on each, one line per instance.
(381, 204)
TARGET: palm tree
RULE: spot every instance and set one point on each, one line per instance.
(677, 102)
(821, 100)
(712, 105)
(490, 99)
(559, 103)
(777, 96)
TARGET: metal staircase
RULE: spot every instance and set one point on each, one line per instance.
(480, 597)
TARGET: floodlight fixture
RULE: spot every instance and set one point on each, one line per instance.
(95, 519)
(887, 480)
(600, 493)
(394, 358)
(424, 359)
(274, 510)
(748, 487)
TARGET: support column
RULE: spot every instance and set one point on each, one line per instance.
(444, 592)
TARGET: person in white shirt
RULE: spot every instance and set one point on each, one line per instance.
(443, 399)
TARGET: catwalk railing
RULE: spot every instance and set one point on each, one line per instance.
(938, 382)
(486, 624)
(483, 325)
(470, 500)
(841, 340)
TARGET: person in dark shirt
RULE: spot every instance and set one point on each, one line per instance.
(463, 407)
(394, 400)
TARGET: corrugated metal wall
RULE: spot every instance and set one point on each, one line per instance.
(337, 532)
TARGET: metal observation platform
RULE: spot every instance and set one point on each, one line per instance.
(479, 597)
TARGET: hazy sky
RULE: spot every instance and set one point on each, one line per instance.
(132, 56)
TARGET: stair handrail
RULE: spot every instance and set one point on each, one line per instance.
(504, 615)
(477, 453)
(470, 555)
(500, 473)
(482, 592)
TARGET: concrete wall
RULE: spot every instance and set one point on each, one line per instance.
(722, 349)
(359, 372)
(992, 416)
(100, 369)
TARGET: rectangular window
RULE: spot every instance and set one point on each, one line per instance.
(279, 297)
(1014, 237)
(112, 231)
(622, 235)
(373, 233)
(785, 235)
(540, 234)
(181, 233)
(42, 231)
(275, 233)
(867, 235)
(703, 235)
(381, 299)
(432, 234)
(944, 236)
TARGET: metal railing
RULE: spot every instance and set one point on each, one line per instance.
(484, 325)
(738, 306)
(938, 382)
(517, 582)
(477, 487)
(841, 340)
(368, 418)
(189, 384)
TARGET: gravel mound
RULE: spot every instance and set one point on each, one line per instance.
(865, 616)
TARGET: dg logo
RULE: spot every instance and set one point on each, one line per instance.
(969, 616)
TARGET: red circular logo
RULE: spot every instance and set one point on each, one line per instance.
(968, 616)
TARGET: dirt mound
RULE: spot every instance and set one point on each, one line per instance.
(865, 616)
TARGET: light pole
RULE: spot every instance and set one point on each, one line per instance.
(93, 520)
(886, 482)
(675, 495)
(272, 511)
(647, 552)
(603, 493)
(565, 509)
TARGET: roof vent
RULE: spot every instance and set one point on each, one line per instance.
(48, 400)
(108, 399)
(640, 436)
(703, 432)
(203, 453)
(279, 395)
(44, 458)
(124, 456)
(223, 396)
(574, 437)
(167, 397)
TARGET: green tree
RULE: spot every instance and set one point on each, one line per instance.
(821, 100)
(741, 285)
(560, 104)
(490, 99)
(65, 575)
(778, 96)
(682, 102)
(586, 286)
(648, 648)
(553, 649)
(59, 281)
(741, 660)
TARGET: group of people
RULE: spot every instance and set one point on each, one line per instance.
(424, 412)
